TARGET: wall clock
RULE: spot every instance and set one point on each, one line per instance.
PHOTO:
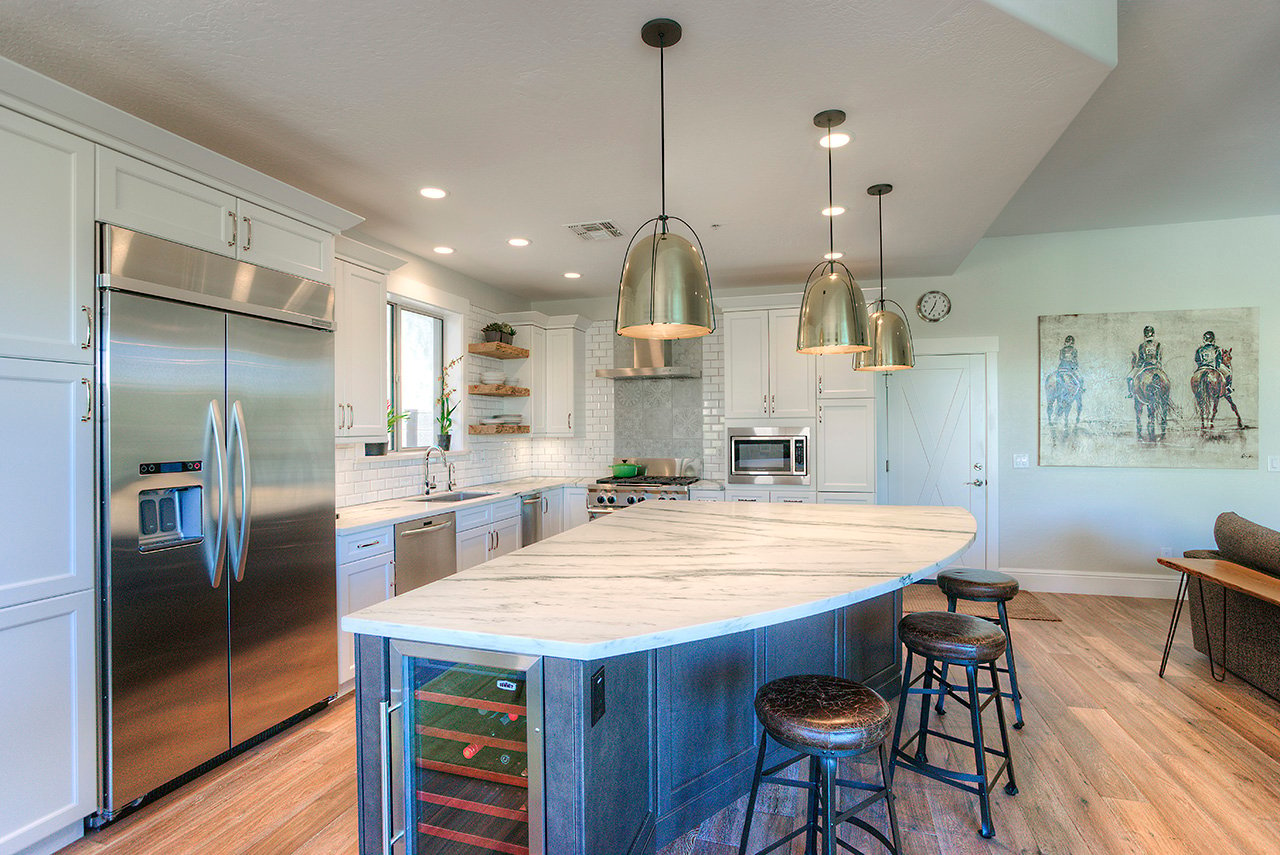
(933, 306)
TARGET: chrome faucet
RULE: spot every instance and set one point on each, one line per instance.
(429, 483)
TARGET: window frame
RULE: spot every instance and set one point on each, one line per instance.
(395, 313)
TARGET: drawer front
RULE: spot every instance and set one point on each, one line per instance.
(353, 547)
(505, 510)
(475, 517)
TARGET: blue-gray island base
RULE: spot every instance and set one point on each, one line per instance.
(621, 753)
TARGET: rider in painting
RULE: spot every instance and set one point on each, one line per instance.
(1147, 356)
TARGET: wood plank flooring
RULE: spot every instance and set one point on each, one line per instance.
(1112, 760)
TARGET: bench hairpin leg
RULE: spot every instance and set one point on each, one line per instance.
(1208, 645)
(1173, 622)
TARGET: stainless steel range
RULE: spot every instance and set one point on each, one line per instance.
(664, 479)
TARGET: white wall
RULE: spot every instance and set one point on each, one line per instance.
(1085, 521)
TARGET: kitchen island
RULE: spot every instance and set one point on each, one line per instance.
(607, 674)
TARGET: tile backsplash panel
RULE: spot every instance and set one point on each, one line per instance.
(659, 417)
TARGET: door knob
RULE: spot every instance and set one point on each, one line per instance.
(977, 483)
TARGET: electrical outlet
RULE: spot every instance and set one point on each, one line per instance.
(1273, 463)
(1166, 552)
(1021, 461)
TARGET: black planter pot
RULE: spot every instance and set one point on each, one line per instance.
(375, 449)
(498, 335)
(442, 440)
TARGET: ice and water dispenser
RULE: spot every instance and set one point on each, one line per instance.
(169, 516)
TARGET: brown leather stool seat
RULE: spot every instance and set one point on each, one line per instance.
(981, 585)
(951, 637)
(819, 715)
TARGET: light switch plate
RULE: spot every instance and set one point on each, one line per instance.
(1273, 463)
(1021, 461)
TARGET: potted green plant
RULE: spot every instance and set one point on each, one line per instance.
(447, 407)
(498, 331)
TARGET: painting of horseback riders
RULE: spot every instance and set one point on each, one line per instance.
(1175, 389)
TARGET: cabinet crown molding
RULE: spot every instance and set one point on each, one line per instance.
(349, 249)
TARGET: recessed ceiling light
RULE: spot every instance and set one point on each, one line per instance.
(833, 256)
(835, 140)
(433, 192)
(519, 241)
(573, 276)
(444, 250)
(832, 212)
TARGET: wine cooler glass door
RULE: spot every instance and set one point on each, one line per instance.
(473, 745)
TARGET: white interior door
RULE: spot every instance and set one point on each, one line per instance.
(937, 441)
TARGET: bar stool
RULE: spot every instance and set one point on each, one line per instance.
(971, 643)
(985, 586)
(823, 718)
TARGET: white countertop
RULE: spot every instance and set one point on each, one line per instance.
(669, 572)
(360, 518)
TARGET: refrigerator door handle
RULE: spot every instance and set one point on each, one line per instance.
(215, 548)
(246, 482)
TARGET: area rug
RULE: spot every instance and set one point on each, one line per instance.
(925, 597)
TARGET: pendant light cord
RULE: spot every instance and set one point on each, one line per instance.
(831, 205)
(662, 125)
(880, 209)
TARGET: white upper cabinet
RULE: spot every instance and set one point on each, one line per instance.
(846, 453)
(146, 198)
(360, 351)
(46, 465)
(46, 242)
(837, 379)
(149, 199)
(792, 375)
(532, 374)
(764, 375)
(565, 390)
(282, 243)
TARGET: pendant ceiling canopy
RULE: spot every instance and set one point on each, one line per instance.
(891, 347)
(665, 290)
(833, 312)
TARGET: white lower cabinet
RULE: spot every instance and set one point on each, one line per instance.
(575, 507)
(846, 498)
(750, 494)
(487, 532)
(696, 495)
(552, 512)
(845, 457)
(736, 494)
(48, 720)
(366, 576)
(786, 497)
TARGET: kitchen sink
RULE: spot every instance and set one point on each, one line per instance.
(457, 496)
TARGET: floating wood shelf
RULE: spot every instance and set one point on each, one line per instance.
(495, 390)
(492, 429)
(497, 350)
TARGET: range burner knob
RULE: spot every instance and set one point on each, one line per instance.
(631, 500)
(600, 500)
(640, 499)
(612, 499)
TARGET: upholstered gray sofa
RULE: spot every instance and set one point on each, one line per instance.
(1253, 627)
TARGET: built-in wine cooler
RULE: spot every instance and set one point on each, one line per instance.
(471, 748)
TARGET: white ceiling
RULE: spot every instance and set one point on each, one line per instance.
(534, 115)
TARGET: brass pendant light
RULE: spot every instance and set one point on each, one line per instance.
(664, 291)
(891, 348)
(833, 312)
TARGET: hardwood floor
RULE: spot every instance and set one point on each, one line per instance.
(1112, 760)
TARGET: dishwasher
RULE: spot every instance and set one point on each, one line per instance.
(530, 519)
(426, 550)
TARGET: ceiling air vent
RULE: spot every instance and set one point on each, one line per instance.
(602, 230)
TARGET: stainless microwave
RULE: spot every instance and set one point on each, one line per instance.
(769, 455)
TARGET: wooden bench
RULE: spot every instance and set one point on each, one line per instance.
(1252, 583)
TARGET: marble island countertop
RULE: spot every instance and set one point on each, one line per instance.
(666, 573)
(360, 518)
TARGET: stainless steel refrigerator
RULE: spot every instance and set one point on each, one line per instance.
(217, 509)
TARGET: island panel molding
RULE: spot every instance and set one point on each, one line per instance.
(662, 574)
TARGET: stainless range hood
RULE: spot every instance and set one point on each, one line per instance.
(650, 358)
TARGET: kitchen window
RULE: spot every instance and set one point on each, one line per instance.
(415, 359)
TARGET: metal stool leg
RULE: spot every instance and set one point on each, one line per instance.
(1012, 665)
(1173, 622)
(889, 801)
(979, 752)
(811, 834)
(946, 666)
(829, 799)
(1012, 786)
(922, 753)
(751, 800)
(902, 714)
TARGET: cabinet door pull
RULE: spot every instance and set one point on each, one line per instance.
(248, 233)
(351, 416)
(389, 835)
(88, 390)
(819, 414)
(570, 421)
(819, 384)
(88, 329)
(342, 418)
(235, 229)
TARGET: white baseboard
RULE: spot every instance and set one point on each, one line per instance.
(1160, 586)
